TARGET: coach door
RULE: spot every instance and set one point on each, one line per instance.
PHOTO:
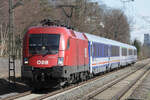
(90, 55)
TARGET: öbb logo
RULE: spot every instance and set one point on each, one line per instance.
(42, 62)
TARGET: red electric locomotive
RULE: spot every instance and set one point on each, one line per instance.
(54, 52)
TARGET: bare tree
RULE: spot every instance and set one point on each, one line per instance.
(3, 39)
(117, 26)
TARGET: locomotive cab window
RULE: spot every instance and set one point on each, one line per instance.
(44, 43)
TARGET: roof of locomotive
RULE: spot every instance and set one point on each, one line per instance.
(46, 27)
(95, 38)
(58, 30)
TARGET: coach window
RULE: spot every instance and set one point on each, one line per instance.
(102, 50)
(98, 52)
(68, 43)
(117, 51)
(105, 51)
(91, 50)
(113, 51)
(94, 50)
(134, 52)
(124, 52)
(130, 51)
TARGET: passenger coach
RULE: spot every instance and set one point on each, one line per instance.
(106, 54)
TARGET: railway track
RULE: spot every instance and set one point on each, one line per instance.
(34, 96)
(120, 88)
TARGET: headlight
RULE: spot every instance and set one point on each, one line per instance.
(60, 61)
(26, 61)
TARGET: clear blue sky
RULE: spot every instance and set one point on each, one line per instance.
(138, 11)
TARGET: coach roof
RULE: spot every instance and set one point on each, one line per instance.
(95, 38)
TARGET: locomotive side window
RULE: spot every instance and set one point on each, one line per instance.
(68, 43)
(44, 43)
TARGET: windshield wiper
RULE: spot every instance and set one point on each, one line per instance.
(50, 52)
(45, 54)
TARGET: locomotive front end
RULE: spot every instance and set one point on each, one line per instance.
(43, 54)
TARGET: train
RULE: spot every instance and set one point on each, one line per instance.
(53, 52)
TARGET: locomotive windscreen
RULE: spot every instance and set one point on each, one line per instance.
(44, 43)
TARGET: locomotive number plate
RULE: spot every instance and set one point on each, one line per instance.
(42, 62)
